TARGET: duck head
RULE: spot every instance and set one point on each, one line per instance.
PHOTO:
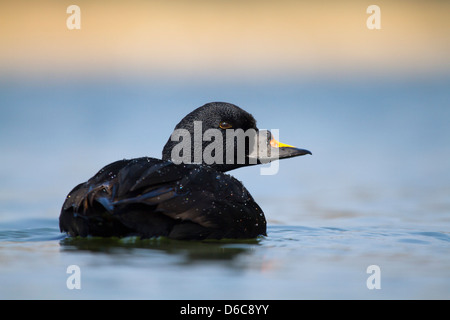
(225, 137)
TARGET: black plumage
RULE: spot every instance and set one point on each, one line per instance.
(150, 197)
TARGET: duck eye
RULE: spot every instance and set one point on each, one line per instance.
(225, 125)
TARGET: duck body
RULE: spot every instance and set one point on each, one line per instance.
(149, 197)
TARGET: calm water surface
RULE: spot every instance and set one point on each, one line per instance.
(375, 192)
(292, 262)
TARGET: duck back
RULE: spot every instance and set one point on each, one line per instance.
(149, 197)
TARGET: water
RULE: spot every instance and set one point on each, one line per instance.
(293, 262)
(375, 192)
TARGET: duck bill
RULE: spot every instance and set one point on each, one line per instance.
(268, 149)
(285, 151)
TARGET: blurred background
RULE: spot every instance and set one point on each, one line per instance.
(373, 106)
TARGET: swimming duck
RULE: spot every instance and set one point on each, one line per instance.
(183, 195)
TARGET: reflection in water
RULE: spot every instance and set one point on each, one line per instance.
(189, 251)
